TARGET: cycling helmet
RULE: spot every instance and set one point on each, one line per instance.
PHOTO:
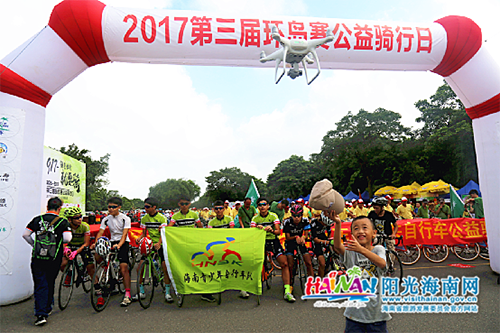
(103, 246)
(326, 220)
(72, 211)
(380, 201)
(297, 210)
(145, 246)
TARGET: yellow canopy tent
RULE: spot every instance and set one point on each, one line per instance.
(435, 187)
(385, 190)
(408, 191)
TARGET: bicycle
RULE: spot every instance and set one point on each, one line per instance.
(435, 253)
(268, 269)
(299, 269)
(150, 276)
(408, 254)
(483, 250)
(394, 267)
(466, 252)
(107, 276)
(333, 262)
(74, 274)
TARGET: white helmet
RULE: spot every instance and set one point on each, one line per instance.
(103, 246)
(326, 220)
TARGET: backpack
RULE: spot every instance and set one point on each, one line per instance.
(46, 246)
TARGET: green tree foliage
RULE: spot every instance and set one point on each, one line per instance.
(447, 138)
(231, 184)
(96, 171)
(292, 178)
(168, 192)
(362, 152)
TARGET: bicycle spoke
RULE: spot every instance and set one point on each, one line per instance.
(66, 285)
(146, 280)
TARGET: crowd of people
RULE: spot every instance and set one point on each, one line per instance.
(296, 220)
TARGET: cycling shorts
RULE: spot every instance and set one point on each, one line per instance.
(122, 253)
(318, 249)
(291, 247)
(274, 246)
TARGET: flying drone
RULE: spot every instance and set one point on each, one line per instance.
(294, 52)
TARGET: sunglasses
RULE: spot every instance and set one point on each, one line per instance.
(184, 203)
(147, 206)
(218, 208)
(76, 217)
(112, 207)
(262, 204)
(296, 215)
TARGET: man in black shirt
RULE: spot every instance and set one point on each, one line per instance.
(45, 271)
(384, 220)
(295, 229)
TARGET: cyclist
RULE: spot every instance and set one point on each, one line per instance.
(384, 220)
(150, 224)
(79, 243)
(223, 221)
(220, 220)
(295, 230)
(119, 224)
(187, 218)
(320, 231)
(270, 223)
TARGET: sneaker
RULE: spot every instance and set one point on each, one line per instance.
(126, 301)
(244, 294)
(289, 298)
(40, 321)
(136, 296)
(169, 298)
(208, 298)
(100, 301)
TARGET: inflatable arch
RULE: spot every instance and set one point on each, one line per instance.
(81, 34)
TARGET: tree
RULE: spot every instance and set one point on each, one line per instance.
(231, 184)
(292, 178)
(168, 192)
(447, 137)
(362, 151)
(96, 171)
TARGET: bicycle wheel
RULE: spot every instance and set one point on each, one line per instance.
(66, 286)
(409, 255)
(132, 255)
(466, 252)
(148, 283)
(274, 262)
(219, 298)
(267, 272)
(394, 267)
(101, 300)
(483, 251)
(301, 273)
(436, 253)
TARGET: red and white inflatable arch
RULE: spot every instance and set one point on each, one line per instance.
(81, 34)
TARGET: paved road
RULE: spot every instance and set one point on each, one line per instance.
(273, 315)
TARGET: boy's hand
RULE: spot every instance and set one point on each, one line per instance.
(157, 246)
(353, 245)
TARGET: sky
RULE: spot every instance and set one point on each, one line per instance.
(170, 121)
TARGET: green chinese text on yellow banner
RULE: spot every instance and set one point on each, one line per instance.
(214, 260)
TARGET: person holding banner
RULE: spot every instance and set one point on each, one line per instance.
(150, 224)
(270, 223)
(186, 218)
